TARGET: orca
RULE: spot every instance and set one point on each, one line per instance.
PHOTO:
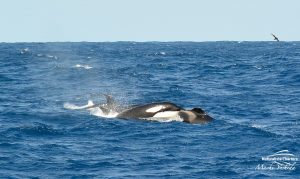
(157, 110)
(165, 110)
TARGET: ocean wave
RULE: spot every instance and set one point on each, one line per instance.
(251, 89)
(87, 67)
(52, 56)
(37, 129)
(24, 50)
(47, 56)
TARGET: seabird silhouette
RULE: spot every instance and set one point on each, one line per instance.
(275, 38)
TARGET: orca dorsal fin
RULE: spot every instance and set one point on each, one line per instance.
(109, 99)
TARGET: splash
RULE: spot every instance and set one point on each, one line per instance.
(25, 50)
(94, 109)
(74, 107)
(98, 112)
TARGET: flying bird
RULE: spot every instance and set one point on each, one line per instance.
(275, 38)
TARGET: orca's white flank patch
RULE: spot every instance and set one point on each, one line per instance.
(155, 109)
(166, 114)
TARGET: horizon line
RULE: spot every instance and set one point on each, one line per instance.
(148, 41)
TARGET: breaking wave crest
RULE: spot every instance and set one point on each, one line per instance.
(87, 67)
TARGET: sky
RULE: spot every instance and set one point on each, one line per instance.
(148, 20)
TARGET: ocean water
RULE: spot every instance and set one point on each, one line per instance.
(251, 89)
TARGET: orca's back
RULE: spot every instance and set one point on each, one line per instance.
(148, 110)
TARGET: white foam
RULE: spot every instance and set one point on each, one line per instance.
(98, 112)
(73, 106)
(258, 126)
(47, 55)
(25, 50)
(258, 67)
(83, 66)
(50, 56)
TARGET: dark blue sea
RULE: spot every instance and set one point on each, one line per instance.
(251, 89)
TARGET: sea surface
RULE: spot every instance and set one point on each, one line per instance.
(251, 89)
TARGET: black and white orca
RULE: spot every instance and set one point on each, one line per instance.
(160, 110)
(165, 110)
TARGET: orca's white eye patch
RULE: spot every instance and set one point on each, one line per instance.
(155, 109)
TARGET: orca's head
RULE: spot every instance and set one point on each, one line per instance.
(201, 115)
(198, 111)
